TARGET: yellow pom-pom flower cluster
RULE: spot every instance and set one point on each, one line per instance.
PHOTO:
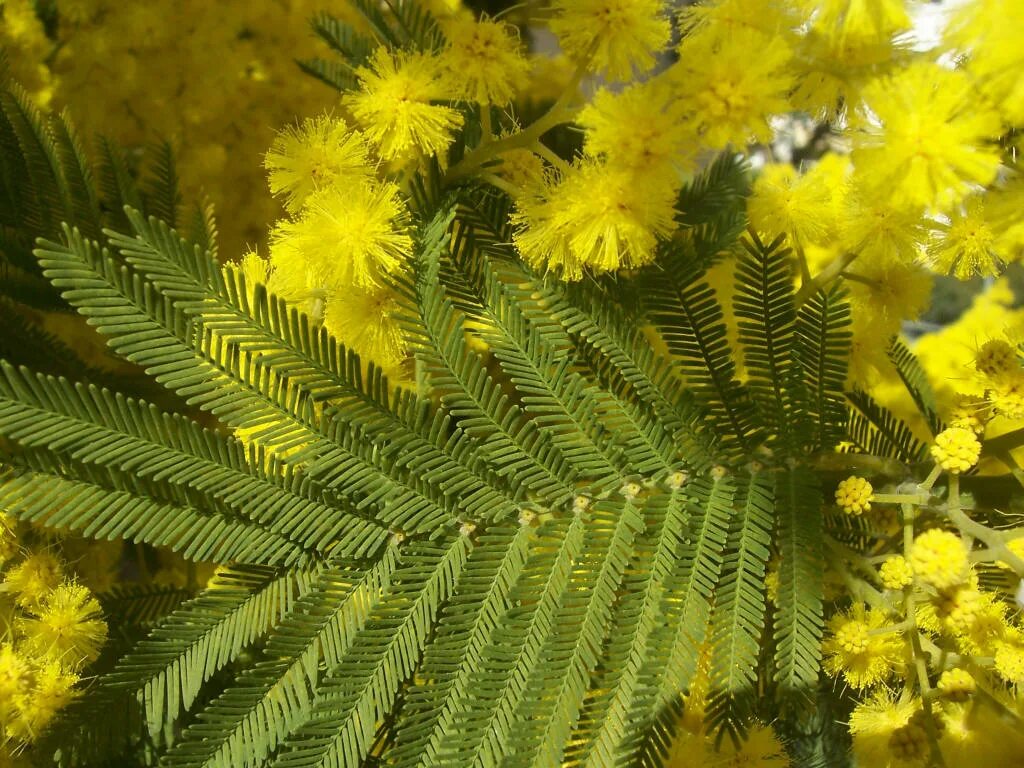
(956, 449)
(862, 647)
(854, 495)
(52, 630)
(939, 559)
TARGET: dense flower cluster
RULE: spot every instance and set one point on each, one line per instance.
(919, 179)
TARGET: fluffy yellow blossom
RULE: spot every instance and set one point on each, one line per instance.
(969, 412)
(785, 202)
(638, 130)
(483, 60)
(863, 658)
(730, 94)
(32, 578)
(364, 319)
(621, 36)
(985, 33)
(873, 723)
(522, 168)
(857, 19)
(922, 137)
(956, 449)
(694, 748)
(939, 559)
(997, 358)
(967, 245)
(394, 109)
(593, 218)
(52, 690)
(895, 572)
(1007, 395)
(67, 627)
(890, 292)
(348, 234)
(1009, 661)
(854, 495)
(958, 609)
(831, 71)
(309, 157)
(956, 684)
(15, 677)
(879, 232)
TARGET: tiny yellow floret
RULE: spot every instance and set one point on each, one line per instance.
(484, 60)
(854, 495)
(394, 106)
(67, 627)
(956, 449)
(895, 573)
(306, 158)
(939, 559)
(996, 358)
(620, 35)
(957, 684)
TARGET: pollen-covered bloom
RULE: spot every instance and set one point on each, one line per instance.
(956, 449)
(996, 358)
(620, 35)
(858, 651)
(638, 129)
(857, 19)
(306, 158)
(783, 201)
(394, 104)
(956, 684)
(67, 627)
(854, 495)
(923, 137)
(364, 319)
(348, 234)
(52, 690)
(32, 578)
(731, 93)
(967, 245)
(484, 61)
(939, 559)
(593, 218)
(895, 572)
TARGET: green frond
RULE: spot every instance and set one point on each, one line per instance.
(480, 733)
(607, 725)
(93, 426)
(676, 647)
(362, 688)
(823, 349)
(914, 378)
(712, 207)
(441, 688)
(766, 316)
(401, 23)
(689, 319)
(117, 184)
(167, 670)
(95, 507)
(159, 188)
(167, 336)
(874, 429)
(251, 718)
(141, 605)
(738, 618)
(555, 690)
(798, 623)
(624, 357)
